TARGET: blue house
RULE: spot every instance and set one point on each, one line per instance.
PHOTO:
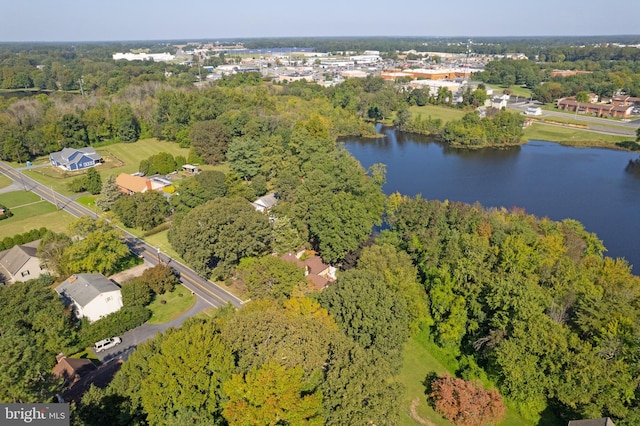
(75, 158)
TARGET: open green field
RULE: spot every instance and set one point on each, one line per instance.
(56, 221)
(443, 113)
(119, 158)
(179, 301)
(574, 137)
(515, 90)
(31, 212)
(18, 198)
(417, 364)
(4, 181)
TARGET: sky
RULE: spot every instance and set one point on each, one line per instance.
(115, 20)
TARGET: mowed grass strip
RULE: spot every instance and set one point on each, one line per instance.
(56, 221)
(179, 301)
(18, 198)
(573, 137)
(445, 114)
(4, 181)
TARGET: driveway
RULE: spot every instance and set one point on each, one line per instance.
(132, 338)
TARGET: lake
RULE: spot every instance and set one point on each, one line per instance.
(545, 178)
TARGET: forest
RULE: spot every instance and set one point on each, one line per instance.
(527, 314)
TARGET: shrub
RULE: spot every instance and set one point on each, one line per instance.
(466, 403)
(115, 324)
(5, 213)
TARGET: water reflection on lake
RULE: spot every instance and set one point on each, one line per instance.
(544, 178)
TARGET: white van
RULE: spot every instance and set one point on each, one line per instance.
(106, 344)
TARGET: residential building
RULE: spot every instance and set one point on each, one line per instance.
(319, 274)
(264, 203)
(72, 159)
(72, 369)
(92, 296)
(131, 184)
(20, 263)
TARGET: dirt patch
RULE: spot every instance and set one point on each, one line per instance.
(415, 416)
(130, 273)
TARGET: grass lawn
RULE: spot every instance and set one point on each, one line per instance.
(87, 354)
(89, 201)
(30, 212)
(417, 364)
(160, 241)
(56, 221)
(515, 90)
(18, 198)
(4, 181)
(573, 137)
(445, 114)
(179, 301)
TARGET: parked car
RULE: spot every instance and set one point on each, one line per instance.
(107, 343)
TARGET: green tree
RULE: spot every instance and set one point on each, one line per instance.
(73, 131)
(93, 181)
(100, 248)
(582, 96)
(160, 279)
(185, 375)
(244, 157)
(136, 292)
(369, 312)
(271, 395)
(35, 327)
(124, 122)
(210, 140)
(271, 277)
(152, 208)
(220, 233)
(126, 209)
(110, 192)
(638, 135)
(358, 387)
(51, 250)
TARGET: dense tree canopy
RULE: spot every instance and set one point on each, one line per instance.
(219, 233)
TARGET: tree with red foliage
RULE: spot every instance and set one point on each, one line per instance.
(466, 403)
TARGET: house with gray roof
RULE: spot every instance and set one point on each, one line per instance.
(92, 296)
(20, 263)
(264, 203)
(72, 159)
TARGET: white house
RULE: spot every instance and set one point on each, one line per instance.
(92, 296)
(265, 202)
(20, 264)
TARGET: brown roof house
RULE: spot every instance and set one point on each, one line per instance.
(130, 184)
(71, 369)
(317, 272)
(20, 263)
(92, 296)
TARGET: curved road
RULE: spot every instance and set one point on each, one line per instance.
(211, 293)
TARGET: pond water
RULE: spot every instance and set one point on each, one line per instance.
(545, 178)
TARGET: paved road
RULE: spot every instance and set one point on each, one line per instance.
(132, 338)
(595, 124)
(211, 293)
